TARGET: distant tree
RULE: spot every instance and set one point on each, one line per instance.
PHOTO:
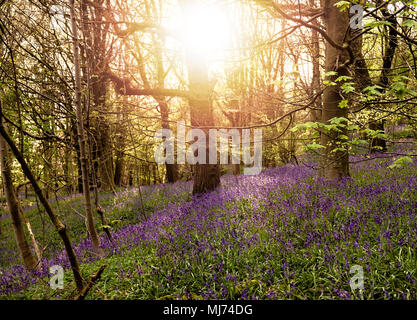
(82, 137)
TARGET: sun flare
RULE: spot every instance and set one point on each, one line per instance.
(205, 29)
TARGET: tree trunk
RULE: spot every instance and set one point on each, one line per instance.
(59, 226)
(15, 209)
(334, 164)
(81, 137)
(76, 145)
(315, 54)
(96, 61)
(378, 144)
(32, 237)
(362, 76)
(171, 169)
(206, 176)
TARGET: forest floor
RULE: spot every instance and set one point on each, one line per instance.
(283, 234)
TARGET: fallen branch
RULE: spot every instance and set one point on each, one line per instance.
(93, 279)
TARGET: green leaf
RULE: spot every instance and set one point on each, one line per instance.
(399, 88)
(329, 83)
(400, 78)
(330, 73)
(343, 78)
(338, 120)
(400, 162)
(314, 146)
(334, 127)
(304, 126)
(342, 5)
(353, 127)
(409, 23)
(373, 90)
(377, 24)
(338, 149)
(343, 103)
(357, 141)
(348, 87)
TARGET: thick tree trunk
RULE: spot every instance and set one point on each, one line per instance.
(118, 169)
(206, 176)
(334, 164)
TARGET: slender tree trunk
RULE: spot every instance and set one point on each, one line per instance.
(81, 137)
(14, 208)
(59, 226)
(363, 78)
(315, 83)
(32, 237)
(95, 53)
(119, 168)
(171, 169)
(98, 208)
(119, 162)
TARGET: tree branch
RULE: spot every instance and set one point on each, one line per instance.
(123, 87)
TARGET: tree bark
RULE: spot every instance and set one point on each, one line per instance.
(206, 176)
(334, 164)
(171, 169)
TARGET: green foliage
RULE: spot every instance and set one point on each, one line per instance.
(343, 104)
(374, 90)
(406, 133)
(374, 134)
(314, 146)
(376, 24)
(343, 5)
(409, 23)
(330, 74)
(343, 78)
(348, 87)
(400, 162)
